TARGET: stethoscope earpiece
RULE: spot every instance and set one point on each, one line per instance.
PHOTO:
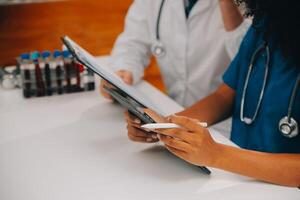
(288, 127)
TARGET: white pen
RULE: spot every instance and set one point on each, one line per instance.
(167, 126)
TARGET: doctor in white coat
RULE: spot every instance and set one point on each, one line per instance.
(189, 40)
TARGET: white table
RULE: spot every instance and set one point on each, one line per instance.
(74, 147)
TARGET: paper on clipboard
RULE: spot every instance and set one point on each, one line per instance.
(89, 61)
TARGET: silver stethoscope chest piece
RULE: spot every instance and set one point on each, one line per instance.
(288, 127)
(158, 50)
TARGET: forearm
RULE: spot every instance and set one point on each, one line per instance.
(231, 14)
(132, 49)
(214, 108)
(281, 169)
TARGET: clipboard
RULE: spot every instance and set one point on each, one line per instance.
(131, 105)
(126, 95)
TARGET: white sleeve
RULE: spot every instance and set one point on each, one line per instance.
(132, 49)
(233, 39)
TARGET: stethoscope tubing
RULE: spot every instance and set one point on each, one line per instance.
(159, 19)
(293, 97)
(287, 122)
(267, 66)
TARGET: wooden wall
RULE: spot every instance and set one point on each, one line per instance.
(95, 24)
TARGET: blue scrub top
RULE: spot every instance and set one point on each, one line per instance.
(263, 135)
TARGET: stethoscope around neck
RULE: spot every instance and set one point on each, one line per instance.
(288, 126)
(158, 49)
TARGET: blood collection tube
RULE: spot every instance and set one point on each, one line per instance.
(69, 71)
(40, 86)
(91, 80)
(59, 71)
(53, 73)
(47, 71)
(24, 65)
(79, 75)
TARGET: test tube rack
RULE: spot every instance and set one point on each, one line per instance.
(53, 73)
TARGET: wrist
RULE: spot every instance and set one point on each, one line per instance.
(218, 155)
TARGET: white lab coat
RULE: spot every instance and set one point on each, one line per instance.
(196, 55)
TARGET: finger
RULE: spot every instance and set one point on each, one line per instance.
(136, 123)
(177, 133)
(138, 136)
(175, 143)
(156, 117)
(131, 119)
(143, 139)
(187, 123)
(102, 90)
(138, 126)
(105, 94)
(140, 133)
(181, 154)
(106, 84)
(126, 76)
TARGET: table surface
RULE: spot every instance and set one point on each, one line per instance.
(75, 147)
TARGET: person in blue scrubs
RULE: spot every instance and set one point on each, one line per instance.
(257, 98)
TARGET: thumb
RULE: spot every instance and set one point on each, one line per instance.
(157, 118)
(126, 76)
(185, 122)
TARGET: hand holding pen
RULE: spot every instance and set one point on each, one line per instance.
(192, 142)
(138, 134)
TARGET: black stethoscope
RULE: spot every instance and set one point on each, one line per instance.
(158, 48)
(288, 126)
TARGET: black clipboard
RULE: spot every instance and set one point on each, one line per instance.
(134, 106)
(130, 104)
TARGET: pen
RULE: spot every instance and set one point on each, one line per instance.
(167, 125)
